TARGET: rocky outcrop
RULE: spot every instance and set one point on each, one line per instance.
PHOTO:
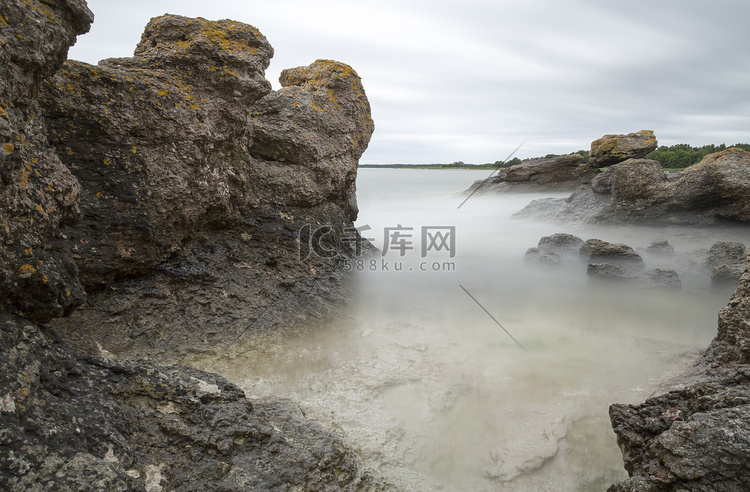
(613, 263)
(196, 206)
(38, 194)
(613, 149)
(71, 422)
(563, 173)
(620, 263)
(196, 182)
(696, 438)
(716, 190)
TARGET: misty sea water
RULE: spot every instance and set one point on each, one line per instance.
(434, 393)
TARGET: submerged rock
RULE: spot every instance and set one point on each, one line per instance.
(727, 253)
(727, 260)
(612, 149)
(560, 243)
(606, 271)
(616, 263)
(659, 248)
(533, 254)
(555, 249)
(657, 278)
(596, 250)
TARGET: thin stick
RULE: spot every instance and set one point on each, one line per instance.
(492, 173)
(493, 318)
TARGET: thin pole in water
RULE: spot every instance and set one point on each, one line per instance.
(493, 318)
(488, 177)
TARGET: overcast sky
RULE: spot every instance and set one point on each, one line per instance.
(470, 80)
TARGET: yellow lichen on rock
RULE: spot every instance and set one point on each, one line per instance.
(228, 36)
(611, 149)
(26, 271)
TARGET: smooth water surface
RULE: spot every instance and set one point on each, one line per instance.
(434, 393)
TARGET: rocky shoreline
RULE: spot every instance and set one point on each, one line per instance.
(160, 205)
(695, 437)
(157, 206)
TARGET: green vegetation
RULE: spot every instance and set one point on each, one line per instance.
(681, 156)
(673, 157)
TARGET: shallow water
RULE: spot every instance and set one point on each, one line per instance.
(435, 394)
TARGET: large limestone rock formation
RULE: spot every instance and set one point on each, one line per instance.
(612, 149)
(38, 194)
(194, 173)
(184, 228)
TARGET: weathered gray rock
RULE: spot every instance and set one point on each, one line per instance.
(556, 249)
(38, 278)
(534, 255)
(661, 278)
(725, 275)
(612, 149)
(602, 183)
(720, 184)
(636, 179)
(196, 182)
(614, 263)
(583, 206)
(560, 243)
(659, 248)
(598, 251)
(606, 271)
(71, 422)
(727, 253)
(563, 173)
(656, 278)
(716, 190)
(696, 438)
(727, 260)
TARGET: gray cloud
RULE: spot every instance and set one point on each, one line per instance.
(470, 80)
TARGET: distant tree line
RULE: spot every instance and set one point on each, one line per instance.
(683, 155)
(677, 156)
